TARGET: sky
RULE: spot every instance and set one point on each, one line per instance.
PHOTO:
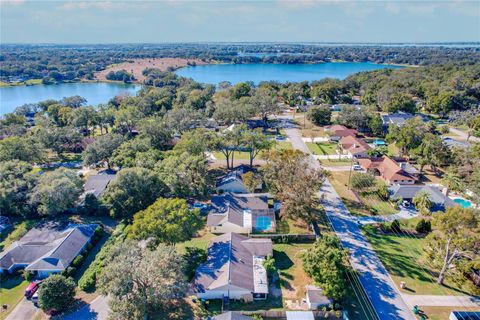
(114, 21)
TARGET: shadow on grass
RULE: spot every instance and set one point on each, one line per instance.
(9, 282)
(282, 261)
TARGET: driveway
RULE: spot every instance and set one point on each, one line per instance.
(374, 278)
(463, 135)
(402, 214)
(96, 310)
(24, 310)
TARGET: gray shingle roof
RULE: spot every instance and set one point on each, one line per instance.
(97, 184)
(409, 192)
(231, 315)
(230, 262)
(48, 249)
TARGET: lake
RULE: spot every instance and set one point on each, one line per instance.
(235, 73)
(94, 92)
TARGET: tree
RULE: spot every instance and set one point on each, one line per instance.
(180, 120)
(401, 102)
(255, 142)
(136, 152)
(84, 118)
(455, 238)
(452, 182)
(227, 142)
(422, 202)
(186, 175)
(166, 221)
(133, 189)
(251, 181)
(56, 293)
(327, 264)
(16, 182)
(441, 103)
(20, 148)
(362, 181)
(56, 192)
(229, 111)
(352, 117)
(102, 149)
(74, 101)
(140, 282)
(423, 226)
(264, 103)
(375, 124)
(157, 132)
(292, 179)
(432, 151)
(320, 115)
(409, 136)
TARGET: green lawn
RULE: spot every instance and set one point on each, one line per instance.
(333, 163)
(11, 293)
(201, 241)
(322, 148)
(236, 155)
(283, 145)
(291, 227)
(402, 256)
(376, 205)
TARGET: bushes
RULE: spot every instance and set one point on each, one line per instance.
(395, 226)
(77, 261)
(269, 265)
(27, 275)
(423, 226)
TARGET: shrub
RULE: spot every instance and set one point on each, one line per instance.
(27, 275)
(77, 261)
(382, 192)
(69, 272)
(423, 226)
(395, 226)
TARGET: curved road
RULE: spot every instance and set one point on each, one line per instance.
(376, 282)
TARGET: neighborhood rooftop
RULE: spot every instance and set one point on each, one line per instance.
(47, 249)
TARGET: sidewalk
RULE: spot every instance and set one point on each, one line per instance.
(441, 301)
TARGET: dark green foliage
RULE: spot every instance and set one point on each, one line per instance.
(27, 275)
(423, 226)
(269, 265)
(395, 226)
(56, 293)
(120, 75)
(193, 258)
(320, 115)
(77, 261)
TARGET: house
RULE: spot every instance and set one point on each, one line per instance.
(389, 170)
(240, 213)
(231, 315)
(399, 118)
(47, 250)
(354, 147)
(315, 298)
(233, 182)
(439, 200)
(336, 132)
(464, 315)
(234, 269)
(97, 184)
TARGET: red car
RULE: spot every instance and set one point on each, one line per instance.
(32, 288)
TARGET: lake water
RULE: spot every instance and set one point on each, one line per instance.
(236, 73)
(95, 93)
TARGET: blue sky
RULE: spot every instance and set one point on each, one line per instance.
(114, 21)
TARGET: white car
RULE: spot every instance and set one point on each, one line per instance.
(357, 167)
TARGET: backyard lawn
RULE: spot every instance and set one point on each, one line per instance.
(442, 313)
(322, 148)
(201, 241)
(402, 256)
(335, 162)
(290, 269)
(11, 293)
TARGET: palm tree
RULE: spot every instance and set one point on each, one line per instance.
(452, 182)
(422, 202)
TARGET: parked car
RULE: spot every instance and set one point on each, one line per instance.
(405, 204)
(357, 167)
(32, 288)
(34, 298)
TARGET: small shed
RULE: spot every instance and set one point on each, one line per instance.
(315, 298)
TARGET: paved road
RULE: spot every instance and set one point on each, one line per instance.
(96, 310)
(378, 286)
(463, 135)
(23, 311)
(441, 301)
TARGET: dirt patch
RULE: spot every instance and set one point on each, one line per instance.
(136, 66)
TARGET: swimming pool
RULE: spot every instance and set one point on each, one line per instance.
(263, 223)
(462, 202)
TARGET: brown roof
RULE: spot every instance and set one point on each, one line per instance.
(230, 262)
(389, 169)
(354, 145)
(341, 131)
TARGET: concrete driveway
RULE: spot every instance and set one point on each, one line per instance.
(96, 310)
(23, 311)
